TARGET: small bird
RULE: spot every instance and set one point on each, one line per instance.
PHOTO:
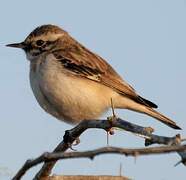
(73, 84)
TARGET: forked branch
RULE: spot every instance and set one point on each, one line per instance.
(174, 145)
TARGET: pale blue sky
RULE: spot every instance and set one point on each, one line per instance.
(144, 41)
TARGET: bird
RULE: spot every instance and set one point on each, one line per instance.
(73, 83)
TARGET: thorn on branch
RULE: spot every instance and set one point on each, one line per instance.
(71, 135)
(50, 157)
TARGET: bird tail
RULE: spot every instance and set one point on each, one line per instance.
(146, 108)
(131, 105)
(153, 113)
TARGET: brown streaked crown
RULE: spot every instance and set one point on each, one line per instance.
(42, 39)
(45, 29)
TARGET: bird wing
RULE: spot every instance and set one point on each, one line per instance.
(79, 60)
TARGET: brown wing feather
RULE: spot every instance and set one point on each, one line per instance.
(83, 62)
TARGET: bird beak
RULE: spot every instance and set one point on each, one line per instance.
(21, 45)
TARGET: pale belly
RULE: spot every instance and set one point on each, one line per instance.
(70, 98)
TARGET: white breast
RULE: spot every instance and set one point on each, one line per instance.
(68, 97)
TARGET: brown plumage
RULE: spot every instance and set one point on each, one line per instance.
(62, 64)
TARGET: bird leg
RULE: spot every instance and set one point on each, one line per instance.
(111, 119)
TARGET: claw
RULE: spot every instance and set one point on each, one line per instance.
(111, 131)
(77, 141)
(72, 148)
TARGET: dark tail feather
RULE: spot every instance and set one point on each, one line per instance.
(147, 102)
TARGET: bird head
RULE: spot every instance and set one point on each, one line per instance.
(42, 39)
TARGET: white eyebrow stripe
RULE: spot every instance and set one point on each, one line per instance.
(49, 37)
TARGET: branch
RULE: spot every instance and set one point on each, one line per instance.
(71, 135)
(83, 177)
(48, 157)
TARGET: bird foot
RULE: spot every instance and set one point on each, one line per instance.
(75, 143)
(70, 140)
(110, 131)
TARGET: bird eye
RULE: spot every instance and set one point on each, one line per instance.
(39, 42)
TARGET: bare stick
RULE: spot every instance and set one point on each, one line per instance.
(48, 157)
(71, 135)
(75, 132)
